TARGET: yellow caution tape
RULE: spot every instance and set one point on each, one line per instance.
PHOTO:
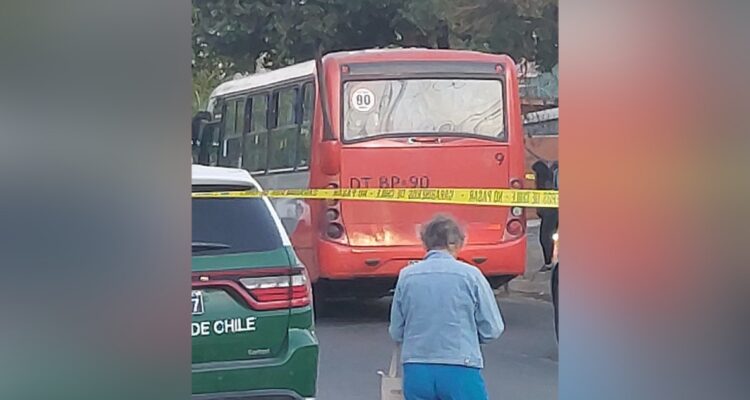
(480, 197)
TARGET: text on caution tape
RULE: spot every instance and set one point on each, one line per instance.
(481, 197)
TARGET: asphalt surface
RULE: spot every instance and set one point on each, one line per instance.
(522, 364)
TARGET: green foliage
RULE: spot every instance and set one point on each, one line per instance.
(204, 81)
(523, 29)
(230, 36)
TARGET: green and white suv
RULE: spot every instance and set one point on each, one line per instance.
(252, 330)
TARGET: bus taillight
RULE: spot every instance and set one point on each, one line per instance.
(332, 214)
(516, 183)
(515, 227)
(332, 202)
(335, 231)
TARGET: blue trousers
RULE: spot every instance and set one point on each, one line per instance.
(443, 382)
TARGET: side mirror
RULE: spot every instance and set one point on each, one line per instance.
(198, 121)
(208, 151)
(330, 157)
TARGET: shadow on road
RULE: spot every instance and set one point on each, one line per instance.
(353, 311)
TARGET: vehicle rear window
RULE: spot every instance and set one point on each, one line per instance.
(424, 106)
(232, 225)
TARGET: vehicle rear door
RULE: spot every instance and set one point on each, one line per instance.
(241, 274)
(402, 163)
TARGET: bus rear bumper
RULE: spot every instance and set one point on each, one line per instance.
(341, 262)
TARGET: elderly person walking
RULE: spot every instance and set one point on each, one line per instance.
(442, 310)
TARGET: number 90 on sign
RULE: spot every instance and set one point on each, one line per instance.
(363, 100)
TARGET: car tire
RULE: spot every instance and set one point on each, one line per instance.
(498, 281)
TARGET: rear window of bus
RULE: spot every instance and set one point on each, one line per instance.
(472, 107)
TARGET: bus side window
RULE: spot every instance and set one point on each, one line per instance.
(283, 133)
(213, 137)
(305, 134)
(231, 149)
(256, 138)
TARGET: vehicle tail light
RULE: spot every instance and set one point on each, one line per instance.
(335, 231)
(332, 214)
(515, 227)
(515, 223)
(261, 289)
(332, 226)
(284, 291)
(332, 202)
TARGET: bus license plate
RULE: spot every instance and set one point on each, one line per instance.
(390, 182)
(197, 300)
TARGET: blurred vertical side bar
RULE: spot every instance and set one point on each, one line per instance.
(654, 280)
(94, 216)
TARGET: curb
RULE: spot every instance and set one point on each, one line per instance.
(538, 284)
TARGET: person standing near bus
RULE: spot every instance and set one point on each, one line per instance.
(556, 269)
(545, 180)
(442, 310)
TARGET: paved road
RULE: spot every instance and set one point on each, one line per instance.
(355, 344)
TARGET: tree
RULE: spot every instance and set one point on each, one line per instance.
(229, 36)
(204, 81)
(523, 29)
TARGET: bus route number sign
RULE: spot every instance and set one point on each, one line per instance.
(363, 100)
(390, 182)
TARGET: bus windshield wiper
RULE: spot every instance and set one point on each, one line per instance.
(201, 246)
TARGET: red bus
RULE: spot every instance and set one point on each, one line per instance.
(386, 118)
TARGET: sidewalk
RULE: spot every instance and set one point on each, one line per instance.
(532, 283)
(537, 285)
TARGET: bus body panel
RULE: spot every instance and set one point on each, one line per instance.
(341, 262)
(297, 216)
(458, 163)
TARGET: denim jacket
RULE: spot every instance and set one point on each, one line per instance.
(442, 310)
